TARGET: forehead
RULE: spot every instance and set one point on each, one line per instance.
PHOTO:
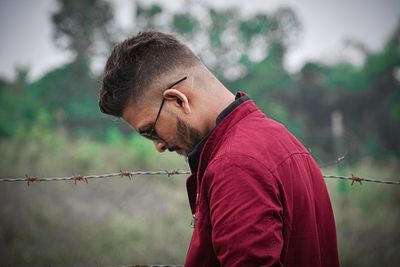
(138, 117)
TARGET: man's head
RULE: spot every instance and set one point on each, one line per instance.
(160, 87)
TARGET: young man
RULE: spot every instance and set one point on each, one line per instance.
(257, 196)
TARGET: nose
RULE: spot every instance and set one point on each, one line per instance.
(160, 145)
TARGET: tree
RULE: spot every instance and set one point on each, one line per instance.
(226, 40)
(367, 96)
(81, 26)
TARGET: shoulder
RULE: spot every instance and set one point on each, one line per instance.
(239, 171)
(260, 139)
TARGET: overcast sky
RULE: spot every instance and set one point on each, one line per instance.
(26, 31)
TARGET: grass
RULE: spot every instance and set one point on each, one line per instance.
(367, 216)
(146, 220)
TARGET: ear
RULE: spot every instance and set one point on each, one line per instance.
(180, 99)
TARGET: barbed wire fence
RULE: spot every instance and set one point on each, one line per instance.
(152, 265)
(130, 174)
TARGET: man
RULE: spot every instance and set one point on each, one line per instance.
(257, 196)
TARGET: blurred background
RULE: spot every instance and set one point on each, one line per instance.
(328, 70)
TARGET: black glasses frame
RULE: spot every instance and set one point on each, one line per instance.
(151, 133)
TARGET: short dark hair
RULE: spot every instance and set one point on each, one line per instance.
(136, 63)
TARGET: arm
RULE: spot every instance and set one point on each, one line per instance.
(245, 211)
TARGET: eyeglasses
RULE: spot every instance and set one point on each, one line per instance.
(151, 133)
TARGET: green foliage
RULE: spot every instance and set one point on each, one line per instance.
(146, 18)
(257, 24)
(368, 95)
(52, 127)
(17, 105)
(184, 24)
(64, 224)
(81, 23)
(114, 136)
(345, 75)
(124, 221)
(150, 12)
(367, 218)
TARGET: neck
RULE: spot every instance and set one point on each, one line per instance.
(220, 102)
(215, 97)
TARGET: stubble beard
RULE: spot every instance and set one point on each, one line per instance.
(188, 137)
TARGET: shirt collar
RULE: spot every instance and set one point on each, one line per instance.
(194, 156)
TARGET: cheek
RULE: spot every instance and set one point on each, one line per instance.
(171, 135)
(187, 136)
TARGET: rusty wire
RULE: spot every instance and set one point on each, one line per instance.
(130, 174)
(147, 265)
(336, 162)
(359, 180)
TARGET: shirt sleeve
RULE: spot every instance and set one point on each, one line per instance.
(246, 212)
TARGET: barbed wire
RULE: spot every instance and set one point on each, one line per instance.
(130, 174)
(336, 162)
(361, 179)
(85, 178)
(147, 265)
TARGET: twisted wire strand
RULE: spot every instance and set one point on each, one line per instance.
(361, 179)
(151, 265)
(89, 177)
(131, 174)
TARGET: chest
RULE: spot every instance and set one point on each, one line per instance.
(201, 250)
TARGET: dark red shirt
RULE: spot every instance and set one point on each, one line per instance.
(258, 196)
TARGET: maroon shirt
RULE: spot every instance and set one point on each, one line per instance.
(258, 196)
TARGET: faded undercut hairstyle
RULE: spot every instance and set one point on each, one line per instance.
(135, 65)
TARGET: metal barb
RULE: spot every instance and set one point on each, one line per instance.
(79, 178)
(126, 173)
(356, 179)
(31, 178)
(175, 171)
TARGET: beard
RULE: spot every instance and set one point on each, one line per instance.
(188, 137)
